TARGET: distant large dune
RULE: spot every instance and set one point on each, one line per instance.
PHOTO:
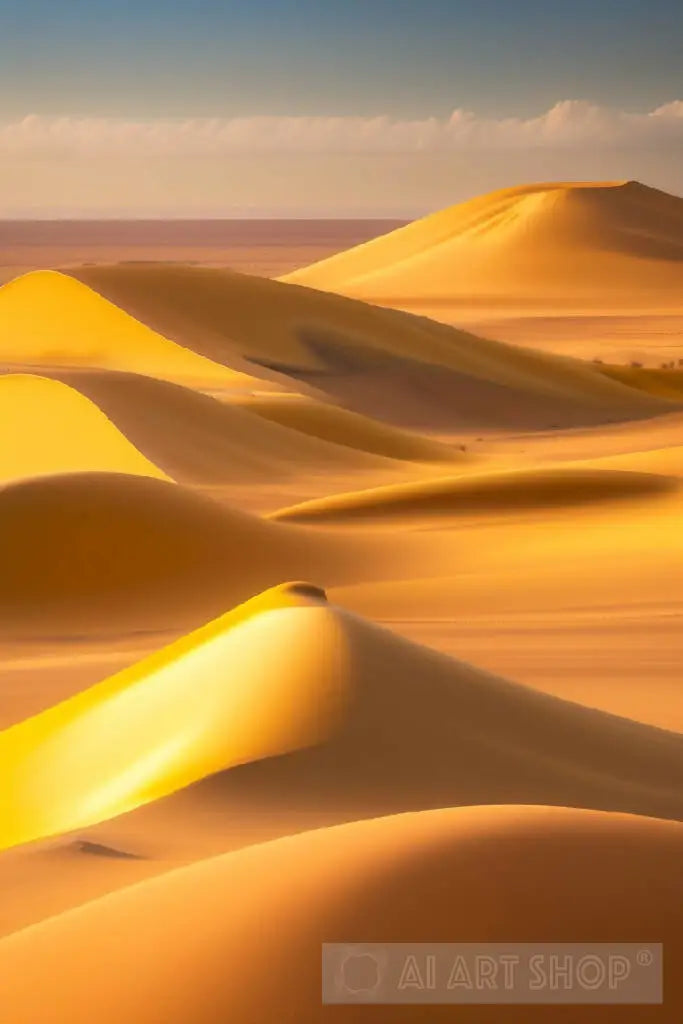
(239, 937)
(574, 243)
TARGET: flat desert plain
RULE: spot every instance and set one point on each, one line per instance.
(328, 614)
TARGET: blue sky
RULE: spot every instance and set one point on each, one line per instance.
(408, 58)
(375, 107)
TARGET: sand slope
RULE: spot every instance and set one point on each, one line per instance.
(411, 729)
(48, 427)
(339, 426)
(558, 242)
(403, 369)
(110, 552)
(107, 555)
(420, 730)
(239, 936)
(502, 491)
(198, 439)
(407, 728)
(249, 685)
(50, 319)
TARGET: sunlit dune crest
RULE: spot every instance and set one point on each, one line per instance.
(50, 319)
(261, 680)
(48, 427)
(389, 725)
(557, 241)
(243, 932)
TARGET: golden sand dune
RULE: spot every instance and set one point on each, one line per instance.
(396, 727)
(239, 936)
(557, 242)
(249, 685)
(48, 427)
(418, 730)
(50, 319)
(498, 492)
(377, 724)
(199, 439)
(111, 552)
(339, 426)
(404, 369)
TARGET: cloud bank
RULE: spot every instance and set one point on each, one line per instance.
(569, 124)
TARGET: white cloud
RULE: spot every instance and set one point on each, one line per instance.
(568, 124)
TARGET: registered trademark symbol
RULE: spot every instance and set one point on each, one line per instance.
(644, 958)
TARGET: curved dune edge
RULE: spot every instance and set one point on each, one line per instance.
(249, 685)
(569, 241)
(343, 427)
(199, 439)
(48, 427)
(352, 721)
(51, 319)
(499, 492)
(332, 344)
(561, 875)
(349, 717)
(110, 553)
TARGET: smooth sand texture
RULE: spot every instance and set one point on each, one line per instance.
(96, 555)
(340, 426)
(416, 729)
(448, 739)
(249, 685)
(590, 270)
(406, 370)
(111, 552)
(569, 243)
(243, 933)
(201, 440)
(48, 427)
(49, 319)
(380, 726)
(483, 492)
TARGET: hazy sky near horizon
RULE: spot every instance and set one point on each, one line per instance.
(295, 107)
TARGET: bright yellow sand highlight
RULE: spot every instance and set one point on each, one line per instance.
(50, 319)
(263, 679)
(48, 427)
